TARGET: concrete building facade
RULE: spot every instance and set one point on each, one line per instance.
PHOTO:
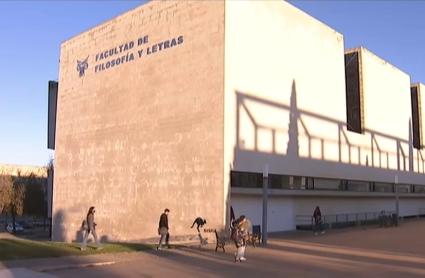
(182, 104)
(140, 128)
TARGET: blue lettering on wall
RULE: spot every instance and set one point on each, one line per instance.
(130, 51)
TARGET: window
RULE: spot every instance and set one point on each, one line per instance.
(246, 179)
(51, 118)
(286, 182)
(255, 180)
(403, 188)
(419, 188)
(360, 186)
(326, 184)
(353, 92)
(278, 181)
(383, 187)
(416, 116)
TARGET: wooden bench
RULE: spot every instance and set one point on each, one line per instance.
(220, 241)
(255, 236)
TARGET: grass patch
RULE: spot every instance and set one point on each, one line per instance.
(12, 249)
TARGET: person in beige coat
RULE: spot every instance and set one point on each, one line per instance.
(240, 237)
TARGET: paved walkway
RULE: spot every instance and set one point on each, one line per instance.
(23, 273)
(372, 252)
(51, 264)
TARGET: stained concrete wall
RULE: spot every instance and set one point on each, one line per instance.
(145, 134)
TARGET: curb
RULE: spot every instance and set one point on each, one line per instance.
(71, 266)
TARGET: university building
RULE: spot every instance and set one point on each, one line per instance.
(184, 104)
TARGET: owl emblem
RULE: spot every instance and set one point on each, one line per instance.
(82, 66)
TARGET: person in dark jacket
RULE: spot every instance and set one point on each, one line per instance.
(90, 227)
(318, 223)
(200, 222)
(163, 229)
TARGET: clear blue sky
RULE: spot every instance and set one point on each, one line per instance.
(31, 33)
(30, 36)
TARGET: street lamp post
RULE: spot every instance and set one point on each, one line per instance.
(265, 193)
(396, 197)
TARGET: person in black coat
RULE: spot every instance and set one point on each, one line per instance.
(318, 223)
(200, 222)
(163, 229)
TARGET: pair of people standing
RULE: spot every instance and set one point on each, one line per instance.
(165, 235)
(89, 226)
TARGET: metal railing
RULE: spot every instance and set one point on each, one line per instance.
(29, 222)
(330, 221)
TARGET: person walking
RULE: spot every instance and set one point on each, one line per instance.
(240, 236)
(163, 229)
(318, 223)
(90, 227)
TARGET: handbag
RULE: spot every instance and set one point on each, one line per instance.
(84, 225)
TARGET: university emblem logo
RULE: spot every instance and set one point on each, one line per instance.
(82, 66)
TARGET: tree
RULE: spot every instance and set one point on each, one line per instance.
(16, 205)
(34, 201)
(12, 194)
(6, 188)
(23, 194)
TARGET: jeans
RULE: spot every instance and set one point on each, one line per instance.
(86, 236)
(240, 253)
(165, 236)
(318, 226)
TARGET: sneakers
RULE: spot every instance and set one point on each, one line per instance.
(323, 232)
(82, 248)
(241, 259)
